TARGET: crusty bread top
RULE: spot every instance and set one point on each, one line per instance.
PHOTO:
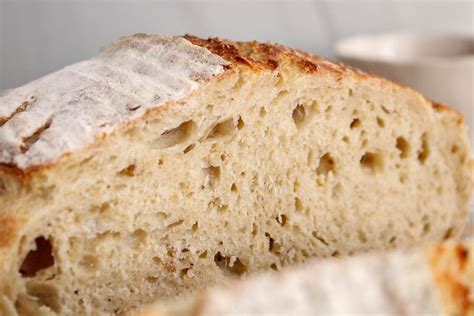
(65, 111)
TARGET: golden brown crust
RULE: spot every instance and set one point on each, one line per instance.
(256, 56)
(440, 107)
(452, 266)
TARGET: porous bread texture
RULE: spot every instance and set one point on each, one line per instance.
(259, 168)
(436, 280)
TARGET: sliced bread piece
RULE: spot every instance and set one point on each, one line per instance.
(166, 164)
(436, 280)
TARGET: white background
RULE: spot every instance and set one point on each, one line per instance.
(40, 36)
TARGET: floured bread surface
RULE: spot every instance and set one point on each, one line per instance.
(280, 157)
(63, 112)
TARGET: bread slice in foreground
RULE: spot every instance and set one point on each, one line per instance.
(167, 164)
(436, 280)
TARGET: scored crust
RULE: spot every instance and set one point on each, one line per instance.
(38, 128)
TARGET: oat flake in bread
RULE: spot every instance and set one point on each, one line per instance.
(166, 164)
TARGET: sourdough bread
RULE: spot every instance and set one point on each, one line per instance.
(436, 280)
(167, 164)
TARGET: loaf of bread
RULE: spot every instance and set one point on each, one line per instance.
(438, 280)
(167, 164)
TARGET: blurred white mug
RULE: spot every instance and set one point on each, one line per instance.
(439, 66)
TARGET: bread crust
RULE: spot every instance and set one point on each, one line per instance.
(251, 55)
(452, 269)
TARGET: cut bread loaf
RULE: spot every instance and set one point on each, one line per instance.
(436, 280)
(166, 164)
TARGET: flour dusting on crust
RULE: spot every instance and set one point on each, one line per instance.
(66, 110)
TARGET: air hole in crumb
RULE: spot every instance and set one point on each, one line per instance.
(296, 185)
(203, 255)
(449, 233)
(38, 259)
(139, 237)
(214, 174)
(233, 188)
(254, 229)
(174, 224)
(299, 115)
(160, 162)
(186, 272)
(224, 128)
(46, 294)
(403, 146)
(426, 228)
(321, 239)
(151, 279)
(222, 208)
(262, 112)
(157, 260)
(273, 246)
(372, 161)
(170, 252)
(361, 235)
(345, 139)
(189, 148)
(355, 123)
(298, 205)
(128, 171)
(89, 262)
(281, 219)
(454, 149)
(326, 165)
(424, 151)
(310, 158)
(232, 265)
(271, 242)
(238, 267)
(392, 240)
(176, 135)
(274, 267)
(335, 254)
(380, 122)
(385, 110)
(240, 123)
(209, 107)
(337, 191)
(195, 227)
(403, 177)
(350, 92)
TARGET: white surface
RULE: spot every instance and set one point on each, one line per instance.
(128, 78)
(41, 36)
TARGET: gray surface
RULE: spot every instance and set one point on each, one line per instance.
(40, 36)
